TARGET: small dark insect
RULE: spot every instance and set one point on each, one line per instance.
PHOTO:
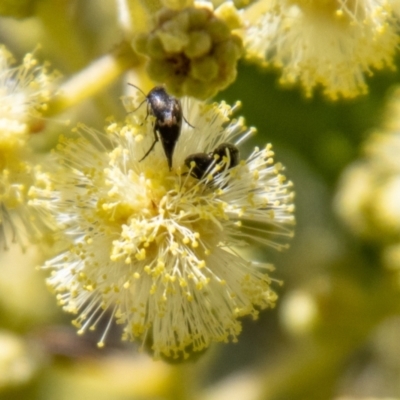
(204, 162)
(167, 111)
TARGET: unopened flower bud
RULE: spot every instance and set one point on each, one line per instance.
(193, 51)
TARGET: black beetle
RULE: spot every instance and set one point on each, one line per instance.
(167, 111)
(204, 162)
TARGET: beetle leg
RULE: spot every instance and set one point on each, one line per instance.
(152, 146)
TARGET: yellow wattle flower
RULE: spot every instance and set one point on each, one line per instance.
(25, 90)
(334, 44)
(157, 250)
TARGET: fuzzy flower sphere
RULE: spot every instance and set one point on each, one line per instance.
(369, 191)
(368, 194)
(331, 43)
(24, 93)
(157, 249)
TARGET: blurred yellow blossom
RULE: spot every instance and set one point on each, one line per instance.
(369, 191)
(18, 362)
(332, 43)
(24, 93)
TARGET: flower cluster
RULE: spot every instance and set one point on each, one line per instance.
(159, 250)
(369, 192)
(193, 46)
(24, 93)
(332, 43)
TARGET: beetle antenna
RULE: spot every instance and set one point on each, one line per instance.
(138, 88)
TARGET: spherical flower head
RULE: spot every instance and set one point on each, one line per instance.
(24, 92)
(18, 361)
(329, 43)
(367, 198)
(368, 194)
(193, 51)
(157, 249)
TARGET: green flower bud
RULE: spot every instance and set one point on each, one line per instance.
(228, 13)
(157, 69)
(175, 85)
(204, 69)
(140, 44)
(164, 15)
(198, 17)
(192, 85)
(155, 47)
(227, 52)
(199, 44)
(172, 42)
(180, 22)
(193, 51)
(218, 30)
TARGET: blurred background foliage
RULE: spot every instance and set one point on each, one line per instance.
(335, 332)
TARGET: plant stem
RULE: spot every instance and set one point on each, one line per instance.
(95, 77)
